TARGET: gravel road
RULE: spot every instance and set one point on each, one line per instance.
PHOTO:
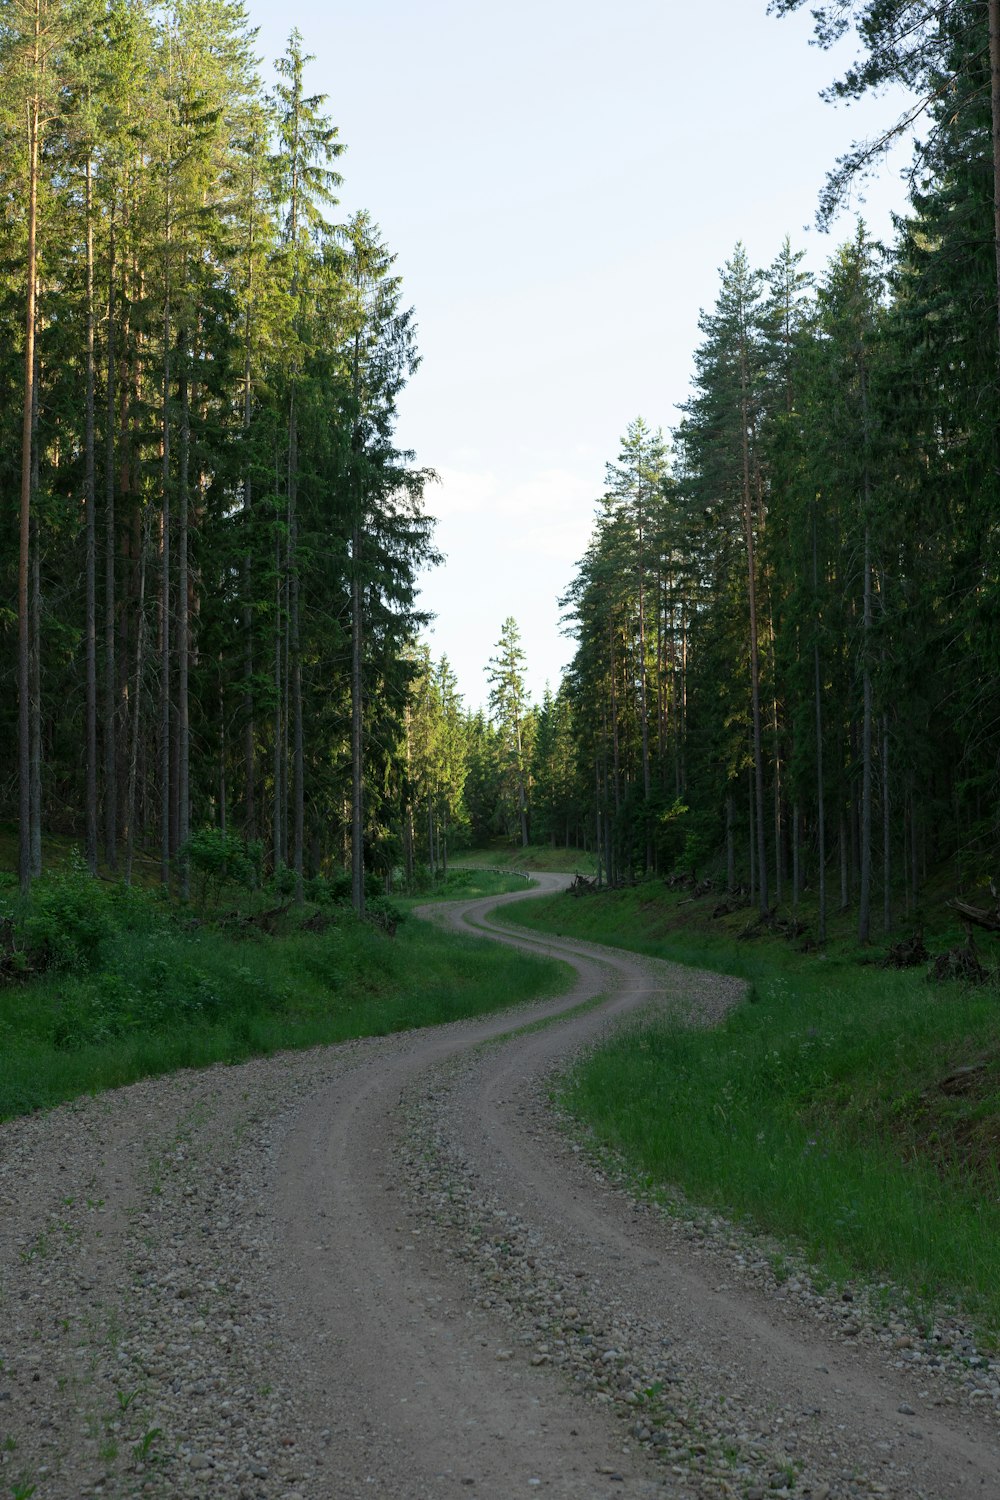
(388, 1269)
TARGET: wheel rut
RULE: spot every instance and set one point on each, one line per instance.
(469, 1306)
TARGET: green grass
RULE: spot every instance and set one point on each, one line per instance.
(825, 1110)
(506, 856)
(462, 884)
(164, 998)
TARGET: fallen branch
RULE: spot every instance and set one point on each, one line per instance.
(990, 920)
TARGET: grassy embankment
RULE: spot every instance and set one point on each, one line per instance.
(851, 1110)
(128, 987)
(506, 856)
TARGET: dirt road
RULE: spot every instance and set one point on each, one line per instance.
(384, 1270)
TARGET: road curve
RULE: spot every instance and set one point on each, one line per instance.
(404, 1191)
(382, 1269)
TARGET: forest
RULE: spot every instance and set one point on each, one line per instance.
(216, 540)
(786, 622)
(785, 630)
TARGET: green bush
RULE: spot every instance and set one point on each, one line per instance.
(282, 882)
(68, 922)
(222, 859)
(384, 913)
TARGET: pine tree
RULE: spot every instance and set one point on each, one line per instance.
(509, 705)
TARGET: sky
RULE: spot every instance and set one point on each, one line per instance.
(561, 181)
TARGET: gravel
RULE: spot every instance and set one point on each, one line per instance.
(146, 1344)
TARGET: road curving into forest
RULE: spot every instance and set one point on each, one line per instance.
(385, 1269)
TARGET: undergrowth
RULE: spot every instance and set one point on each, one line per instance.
(104, 984)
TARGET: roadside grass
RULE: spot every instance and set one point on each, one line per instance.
(504, 856)
(462, 884)
(851, 1110)
(161, 995)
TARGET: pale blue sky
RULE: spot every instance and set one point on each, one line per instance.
(561, 180)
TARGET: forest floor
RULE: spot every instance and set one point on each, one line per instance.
(390, 1268)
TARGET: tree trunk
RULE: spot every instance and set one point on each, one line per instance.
(357, 740)
(136, 709)
(249, 756)
(643, 703)
(779, 828)
(110, 664)
(748, 532)
(90, 565)
(222, 754)
(183, 628)
(886, 849)
(597, 820)
(24, 518)
(165, 621)
(818, 709)
(864, 903)
(278, 818)
(35, 693)
(796, 859)
(295, 655)
(752, 840)
(994, 28)
(845, 894)
(522, 797)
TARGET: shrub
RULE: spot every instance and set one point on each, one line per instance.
(384, 913)
(222, 859)
(68, 923)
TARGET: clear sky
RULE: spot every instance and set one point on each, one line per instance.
(561, 180)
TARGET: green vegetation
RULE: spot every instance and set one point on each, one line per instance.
(103, 984)
(852, 1110)
(461, 884)
(502, 856)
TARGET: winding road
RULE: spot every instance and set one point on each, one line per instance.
(386, 1270)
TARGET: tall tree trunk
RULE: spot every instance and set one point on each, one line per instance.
(165, 609)
(886, 830)
(864, 903)
(278, 817)
(110, 664)
(35, 692)
(249, 755)
(818, 714)
(357, 722)
(90, 565)
(136, 707)
(295, 654)
(24, 518)
(779, 823)
(752, 838)
(643, 703)
(845, 893)
(223, 752)
(183, 626)
(796, 855)
(748, 532)
(522, 797)
(994, 28)
(615, 743)
(598, 842)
